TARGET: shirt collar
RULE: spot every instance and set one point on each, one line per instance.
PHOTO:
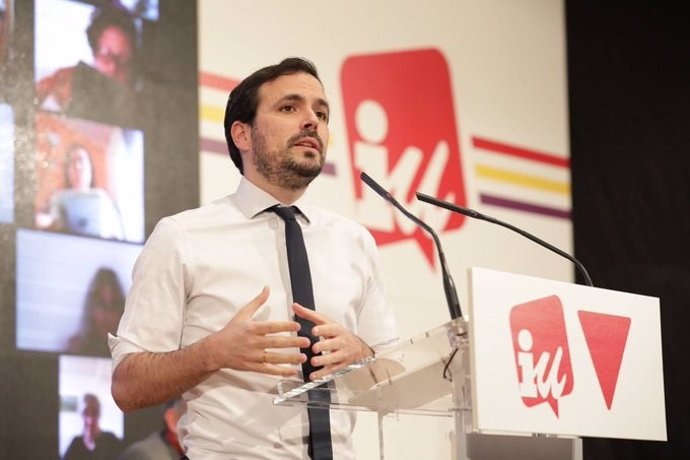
(252, 200)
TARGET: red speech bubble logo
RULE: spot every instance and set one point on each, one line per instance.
(401, 131)
(542, 355)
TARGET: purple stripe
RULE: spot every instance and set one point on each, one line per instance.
(522, 206)
(328, 169)
(214, 146)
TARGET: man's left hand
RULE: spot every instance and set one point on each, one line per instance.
(340, 346)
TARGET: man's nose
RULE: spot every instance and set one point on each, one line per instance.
(311, 120)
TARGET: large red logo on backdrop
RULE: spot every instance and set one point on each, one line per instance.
(542, 353)
(402, 132)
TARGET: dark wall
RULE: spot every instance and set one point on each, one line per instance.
(629, 80)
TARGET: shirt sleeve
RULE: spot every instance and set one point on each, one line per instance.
(155, 306)
(376, 322)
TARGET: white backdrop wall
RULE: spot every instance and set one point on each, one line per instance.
(465, 100)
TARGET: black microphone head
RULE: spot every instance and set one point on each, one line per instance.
(375, 186)
(447, 205)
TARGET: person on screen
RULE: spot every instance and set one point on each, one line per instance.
(84, 89)
(81, 208)
(162, 444)
(93, 443)
(105, 301)
(210, 315)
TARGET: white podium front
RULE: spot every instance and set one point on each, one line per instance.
(537, 364)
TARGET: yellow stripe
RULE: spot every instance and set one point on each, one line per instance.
(211, 113)
(527, 180)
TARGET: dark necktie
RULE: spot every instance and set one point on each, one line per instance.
(320, 447)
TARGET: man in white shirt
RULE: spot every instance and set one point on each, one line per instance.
(210, 314)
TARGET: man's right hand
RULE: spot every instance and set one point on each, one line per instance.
(248, 345)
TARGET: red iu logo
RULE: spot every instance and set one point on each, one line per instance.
(542, 355)
(402, 132)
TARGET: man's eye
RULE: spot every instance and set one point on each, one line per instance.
(287, 108)
(322, 116)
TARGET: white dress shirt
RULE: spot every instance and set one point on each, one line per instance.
(200, 266)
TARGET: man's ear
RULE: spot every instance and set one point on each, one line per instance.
(241, 135)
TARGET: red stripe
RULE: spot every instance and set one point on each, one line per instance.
(217, 81)
(506, 149)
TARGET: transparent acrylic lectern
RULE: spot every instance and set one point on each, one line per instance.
(427, 375)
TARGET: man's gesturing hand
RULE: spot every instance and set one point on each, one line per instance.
(246, 345)
(342, 347)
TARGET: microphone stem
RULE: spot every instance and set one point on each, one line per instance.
(543, 243)
(448, 283)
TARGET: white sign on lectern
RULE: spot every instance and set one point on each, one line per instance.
(558, 358)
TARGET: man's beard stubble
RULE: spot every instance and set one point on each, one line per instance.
(279, 168)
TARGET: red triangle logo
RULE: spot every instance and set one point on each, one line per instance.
(606, 336)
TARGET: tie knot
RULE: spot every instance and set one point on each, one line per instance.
(285, 212)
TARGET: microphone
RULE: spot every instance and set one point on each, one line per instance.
(448, 284)
(477, 215)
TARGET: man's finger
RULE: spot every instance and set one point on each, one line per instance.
(311, 315)
(328, 360)
(321, 373)
(281, 341)
(247, 311)
(326, 345)
(274, 327)
(283, 358)
(272, 369)
(328, 330)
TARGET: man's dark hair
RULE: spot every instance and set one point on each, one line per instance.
(101, 19)
(244, 98)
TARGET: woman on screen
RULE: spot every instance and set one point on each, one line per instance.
(81, 208)
(93, 443)
(103, 308)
